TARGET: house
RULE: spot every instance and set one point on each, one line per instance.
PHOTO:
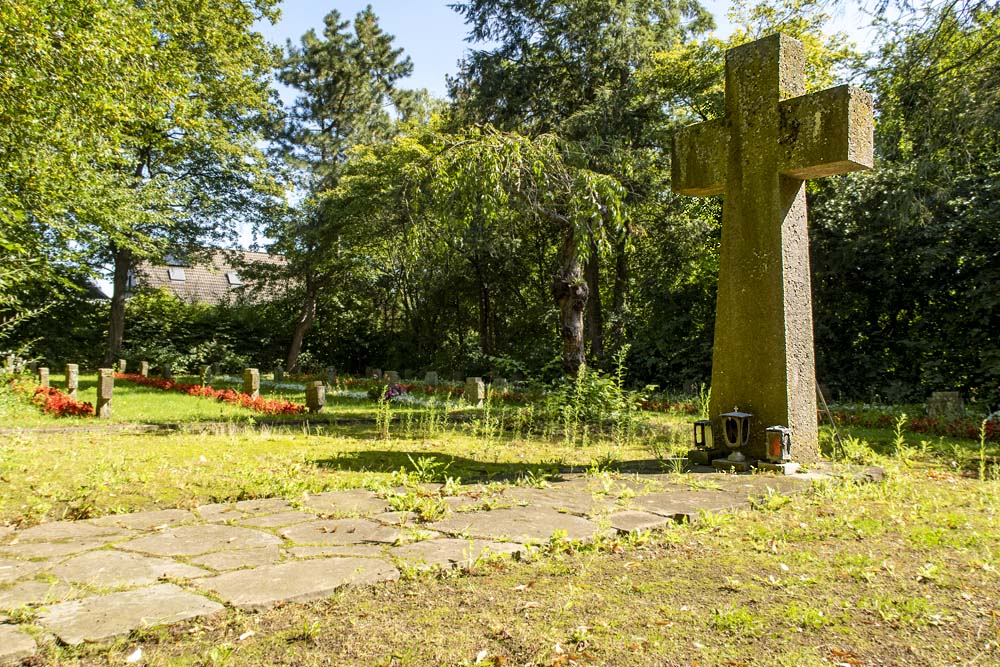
(211, 279)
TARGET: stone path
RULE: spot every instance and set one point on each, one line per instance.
(92, 580)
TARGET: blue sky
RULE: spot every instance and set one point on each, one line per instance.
(434, 35)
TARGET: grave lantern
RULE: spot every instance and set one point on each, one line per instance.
(779, 444)
(736, 428)
(703, 434)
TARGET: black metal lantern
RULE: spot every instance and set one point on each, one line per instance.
(779, 444)
(736, 429)
(703, 434)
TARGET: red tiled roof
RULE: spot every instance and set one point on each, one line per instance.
(211, 281)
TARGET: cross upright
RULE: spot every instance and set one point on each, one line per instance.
(772, 138)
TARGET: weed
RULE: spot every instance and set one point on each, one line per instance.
(736, 620)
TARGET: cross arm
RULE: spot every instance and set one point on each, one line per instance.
(698, 167)
(826, 133)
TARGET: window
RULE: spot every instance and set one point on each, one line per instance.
(234, 279)
(176, 274)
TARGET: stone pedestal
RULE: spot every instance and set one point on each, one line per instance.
(72, 379)
(315, 396)
(43, 377)
(251, 382)
(144, 369)
(475, 391)
(431, 378)
(105, 388)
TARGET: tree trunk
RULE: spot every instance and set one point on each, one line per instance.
(302, 325)
(570, 292)
(485, 316)
(619, 298)
(123, 259)
(595, 316)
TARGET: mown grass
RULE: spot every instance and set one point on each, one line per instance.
(901, 572)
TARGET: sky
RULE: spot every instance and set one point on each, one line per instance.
(434, 35)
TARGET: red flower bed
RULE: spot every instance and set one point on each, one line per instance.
(956, 428)
(268, 406)
(55, 402)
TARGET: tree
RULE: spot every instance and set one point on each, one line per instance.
(346, 82)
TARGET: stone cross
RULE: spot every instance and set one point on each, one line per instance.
(251, 382)
(144, 369)
(772, 138)
(72, 379)
(475, 391)
(43, 377)
(105, 388)
(315, 396)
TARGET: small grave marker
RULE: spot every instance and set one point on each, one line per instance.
(43, 377)
(105, 388)
(8, 366)
(315, 396)
(144, 369)
(166, 372)
(392, 377)
(279, 373)
(251, 382)
(72, 379)
(431, 378)
(945, 405)
(475, 391)
(331, 375)
(122, 365)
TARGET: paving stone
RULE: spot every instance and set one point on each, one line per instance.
(113, 569)
(103, 617)
(219, 512)
(397, 518)
(15, 645)
(357, 550)
(234, 560)
(340, 531)
(146, 520)
(346, 503)
(520, 524)
(5, 532)
(263, 506)
(631, 521)
(469, 503)
(55, 550)
(451, 552)
(298, 581)
(277, 520)
(33, 593)
(687, 505)
(577, 501)
(65, 530)
(196, 540)
(12, 570)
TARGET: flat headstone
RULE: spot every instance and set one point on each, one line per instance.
(104, 617)
(33, 593)
(631, 521)
(145, 520)
(343, 503)
(340, 531)
(520, 524)
(451, 552)
(15, 645)
(12, 570)
(298, 581)
(240, 558)
(196, 540)
(113, 569)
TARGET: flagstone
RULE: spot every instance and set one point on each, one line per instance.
(631, 521)
(341, 531)
(55, 550)
(357, 550)
(12, 570)
(277, 520)
(112, 569)
(240, 558)
(67, 530)
(32, 593)
(299, 581)
(263, 506)
(520, 524)
(146, 520)
(104, 617)
(577, 501)
(452, 552)
(15, 645)
(346, 503)
(196, 540)
(219, 512)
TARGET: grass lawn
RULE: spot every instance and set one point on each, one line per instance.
(902, 572)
